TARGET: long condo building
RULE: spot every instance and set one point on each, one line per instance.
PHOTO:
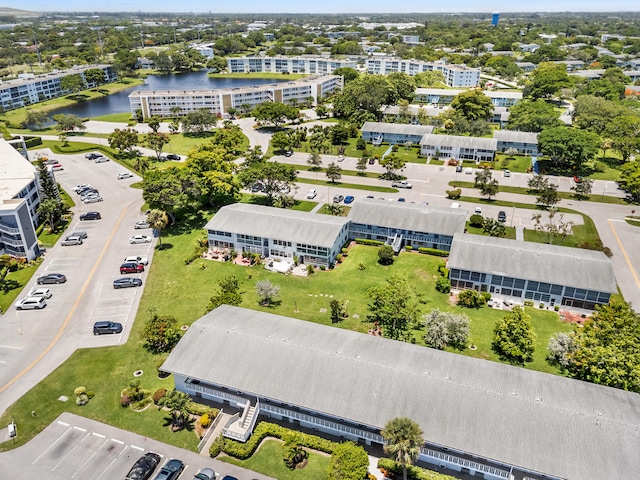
(171, 103)
(455, 76)
(310, 65)
(29, 89)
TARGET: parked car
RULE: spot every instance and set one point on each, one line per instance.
(312, 193)
(89, 194)
(402, 199)
(288, 153)
(341, 158)
(91, 216)
(51, 278)
(468, 171)
(338, 198)
(87, 191)
(140, 239)
(31, 303)
(127, 282)
(101, 159)
(577, 179)
(171, 470)
(144, 467)
(401, 184)
(478, 211)
(136, 259)
(286, 189)
(502, 216)
(71, 240)
(507, 173)
(348, 199)
(173, 156)
(458, 168)
(80, 233)
(107, 327)
(131, 267)
(93, 199)
(92, 155)
(57, 167)
(40, 292)
(81, 186)
(257, 187)
(372, 161)
(141, 224)
(123, 175)
(50, 161)
(205, 474)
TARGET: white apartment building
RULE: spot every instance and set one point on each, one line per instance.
(455, 75)
(162, 103)
(444, 96)
(19, 201)
(30, 89)
(206, 49)
(307, 64)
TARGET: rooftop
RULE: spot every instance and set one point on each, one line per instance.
(15, 171)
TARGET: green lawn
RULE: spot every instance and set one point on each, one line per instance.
(18, 280)
(353, 186)
(183, 291)
(268, 461)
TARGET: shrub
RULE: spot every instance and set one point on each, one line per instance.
(344, 251)
(79, 391)
(310, 269)
(454, 194)
(362, 266)
(599, 167)
(90, 394)
(159, 395)
(323, 267)
(125, 400)
(471, 299)
(528, 303)
(366, 241)
(443, 285)
(413, 472)
(205, 420)
(408, 248)
(385, 255)
(141, 404)
(159, 361)
(541, 305)
(200, 409)
(433, 251)
(339, 258)
(556, 308)
(476, 220)
(82, 399)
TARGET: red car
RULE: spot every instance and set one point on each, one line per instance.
(131, 267)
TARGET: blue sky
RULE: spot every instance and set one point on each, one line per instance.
(327, 6)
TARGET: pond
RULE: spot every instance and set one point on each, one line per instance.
(119, 102)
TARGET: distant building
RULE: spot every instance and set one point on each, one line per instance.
(454, 75)
(444, 96)
(205, 49)
(163, 102)
(19, 202)
(495, 18)
(30, 89)
(528, 47)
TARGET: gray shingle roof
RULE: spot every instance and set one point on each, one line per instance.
(535, 420)
(408, 216)
(515, 136)
(533, 261)
(459, 141)
(396, 128)
(278, 223)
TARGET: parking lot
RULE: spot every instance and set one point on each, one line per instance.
(74, 447)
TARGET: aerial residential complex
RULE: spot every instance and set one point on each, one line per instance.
(281, 64)
(454, 75)
(29, 89)
(443, 96)
(479, 417)
(163, 103)
(19, 201)
(317, 239)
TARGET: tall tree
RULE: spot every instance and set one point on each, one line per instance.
(198, 122)
(472, 105)
(403, 438)
(158, 220)
(72, 83)
(95, 77)
(68, 123)
(275, 113)
(630, 179)
(156, 142)
(267, 292)
(546, 80)
(533, 116)
(275, 178)
(446, 329)
(160, 333)
(569, 148)
(334, 172)
(228, 294)
(177, 403)
(392, 163)
(124, 140)
(555, 230)
(393, 307)
(513, 337)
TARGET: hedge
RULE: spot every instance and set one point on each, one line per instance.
(366, 241)
(433, 251)
(31, 141)
(413, 472)
(263, 430)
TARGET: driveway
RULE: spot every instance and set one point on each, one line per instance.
(74, 447)
(33, 343)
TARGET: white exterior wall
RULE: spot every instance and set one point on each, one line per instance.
(307, 65)
(455, 75)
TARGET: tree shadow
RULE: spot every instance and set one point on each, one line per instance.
(164, 246)
(9, 284)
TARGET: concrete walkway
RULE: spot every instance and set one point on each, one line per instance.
(520, 233)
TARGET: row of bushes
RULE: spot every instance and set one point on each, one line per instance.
(413, 472)
(366, 241)
(433, 251)
(263, 430)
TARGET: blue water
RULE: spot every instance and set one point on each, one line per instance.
(119, 102)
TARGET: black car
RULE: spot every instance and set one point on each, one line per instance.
(338, 198)
(288, 153)
(106, 327)
(91, 216)
(51, 278)
(257, 187)
(127, 282)
(372, 161)
(171, 470)
(459, 169)
(502, 216)
(173, 156)
(92, 156)
(144, 467)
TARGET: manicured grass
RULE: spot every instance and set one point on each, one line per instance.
(299, 205)
(322, 171)
(632, 221)
(121, 117)
(353, 186)
(594, 197)
(510, 232)
(18, 279)
(268, 460)
(325, 210)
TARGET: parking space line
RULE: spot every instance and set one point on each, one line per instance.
(137, 448)
(73, 449)
(98, 435)
(54, 443)
(64, 423)
(117, 441)
(80, 428)
(92, 455)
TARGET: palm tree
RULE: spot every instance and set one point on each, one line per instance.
(5, 263)
(141, 164)
(404, 438)
(158, 220)
(177, 402)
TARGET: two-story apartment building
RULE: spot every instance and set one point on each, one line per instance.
(458, 147)
(518, 271)
(19, 201)
(30, 89)
(524, 142)
(444, 96)
(394, 133)
(162, 103)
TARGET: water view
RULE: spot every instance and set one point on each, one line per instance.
(119, 102)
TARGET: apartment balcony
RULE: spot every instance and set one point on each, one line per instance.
(8, 229)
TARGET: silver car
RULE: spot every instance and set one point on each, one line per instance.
(93, 199)
(71, 240)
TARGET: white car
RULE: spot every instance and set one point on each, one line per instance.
(31, 303)
(141, 224)
(40, 292)
(123, 175)
(57, 167)
(81, 186)
(140, 239)
(478, 211)
(402, 184)
(101, 160)
(312, 193)
(136, 259)
(93, 199)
